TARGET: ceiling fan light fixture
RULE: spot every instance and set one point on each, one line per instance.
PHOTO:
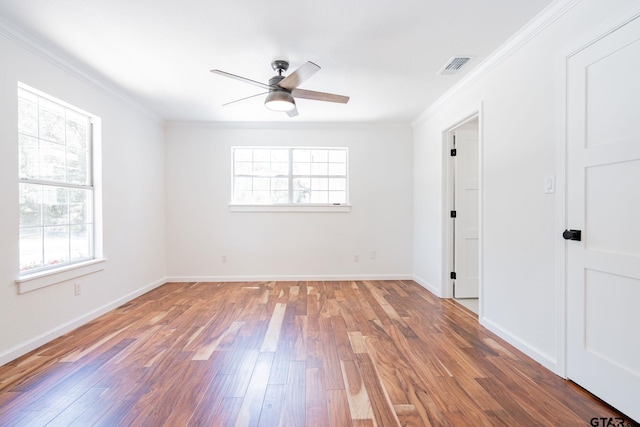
(280, 100)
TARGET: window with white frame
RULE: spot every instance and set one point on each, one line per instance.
(290, 176)
(56, 189)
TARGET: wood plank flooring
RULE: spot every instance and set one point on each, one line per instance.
(366, 353)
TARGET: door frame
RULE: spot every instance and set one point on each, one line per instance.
(446, 287)
(617, 21)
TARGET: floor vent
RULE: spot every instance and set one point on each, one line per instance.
(455, 64)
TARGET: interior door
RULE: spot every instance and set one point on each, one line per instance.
(467, 211)
(603, 201)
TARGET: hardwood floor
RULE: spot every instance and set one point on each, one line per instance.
(369, 353)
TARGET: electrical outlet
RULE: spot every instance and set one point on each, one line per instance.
(373, 255)
(224, 259)
(76, 289)
(356, 258)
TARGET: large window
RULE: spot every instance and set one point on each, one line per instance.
(56, 186)
(290, 176)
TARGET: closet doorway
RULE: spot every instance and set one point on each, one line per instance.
(464, 212)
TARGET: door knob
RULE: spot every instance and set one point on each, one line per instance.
(572, 235)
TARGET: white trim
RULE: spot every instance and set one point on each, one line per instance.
(447, 202)
(545, 18)
(289, 125)
(561, 212)
(70, 65)
(447, 178)
(27, 346)
(42, 279)
(480, 210)
(539, 356)
(292, 277)
(428, 286)
(290, 208)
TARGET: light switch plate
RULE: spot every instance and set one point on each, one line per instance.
(550, 184)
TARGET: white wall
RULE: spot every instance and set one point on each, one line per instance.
(261, 246)
(133, 199)
(520, 293)
(396, 192)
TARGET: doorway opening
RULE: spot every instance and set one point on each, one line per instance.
(463, 213)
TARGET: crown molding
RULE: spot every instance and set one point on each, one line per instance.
(541, 21)
(72, 66)
(289, 125)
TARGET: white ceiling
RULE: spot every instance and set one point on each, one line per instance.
(383, 54)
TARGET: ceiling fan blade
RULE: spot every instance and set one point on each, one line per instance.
(319, 96)
(296, 78)
(242, 99)
(242, 79)
(292, 113)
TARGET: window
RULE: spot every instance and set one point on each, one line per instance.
(56, 188)
(290, 176)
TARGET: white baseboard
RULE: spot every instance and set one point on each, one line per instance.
(290, 278)
(544, 359)
(428, 286)
(24, 348)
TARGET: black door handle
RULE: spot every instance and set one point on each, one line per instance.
(572, 235)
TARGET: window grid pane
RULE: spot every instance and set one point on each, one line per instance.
(55, 184)
(287, 175)
(322, 167)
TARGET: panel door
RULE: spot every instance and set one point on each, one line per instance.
(603, 200)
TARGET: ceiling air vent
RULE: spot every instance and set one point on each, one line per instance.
(455, 64)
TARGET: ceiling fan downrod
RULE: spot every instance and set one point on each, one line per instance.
(280, 66)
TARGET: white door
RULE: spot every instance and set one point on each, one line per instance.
(603, 201)
(467, 211)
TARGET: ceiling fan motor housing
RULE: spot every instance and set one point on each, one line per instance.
(273, 82)
(279, 98)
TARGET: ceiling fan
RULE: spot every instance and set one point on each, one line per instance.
(282, 90)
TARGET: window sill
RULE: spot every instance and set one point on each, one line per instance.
(42, 279)
(290, 208)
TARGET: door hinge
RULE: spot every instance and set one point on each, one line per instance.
(453, 214)
(454, 152)
(453, 275)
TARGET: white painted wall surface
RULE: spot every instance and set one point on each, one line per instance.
(133, 199)
(396, 193)
(260, 245)
(520, 136)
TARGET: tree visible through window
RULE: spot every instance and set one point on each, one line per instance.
(55, 183)
(288, 175)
